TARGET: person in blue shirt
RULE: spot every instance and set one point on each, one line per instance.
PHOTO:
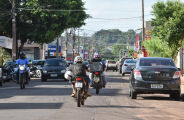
(23, 60)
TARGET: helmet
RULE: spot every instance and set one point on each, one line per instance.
(22, 53)
(68, 75)
(96, 55)
(77, 58)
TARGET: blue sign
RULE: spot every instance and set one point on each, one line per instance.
(53, 48)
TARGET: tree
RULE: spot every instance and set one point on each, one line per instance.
(168, 24)
(117, 48)
(157, 47)
(42, 21)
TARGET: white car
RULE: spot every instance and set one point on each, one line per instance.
(128, 65)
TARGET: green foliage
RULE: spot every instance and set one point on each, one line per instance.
(46, 21)
(117, 48)
(130, 52)
(4, 56)
(168, 24)
(157, 48)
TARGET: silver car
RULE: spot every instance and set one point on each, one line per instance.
(128, 65)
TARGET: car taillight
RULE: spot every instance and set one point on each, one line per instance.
(125, 65)
(176, 75)
(79, 79)
(137, 74)
(96, 73)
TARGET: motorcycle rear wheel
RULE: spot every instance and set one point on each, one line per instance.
(78, 98)
(97, 91)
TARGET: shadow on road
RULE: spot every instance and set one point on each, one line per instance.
(117, 80)
(30, 105)
(115, 106)
(109, 92)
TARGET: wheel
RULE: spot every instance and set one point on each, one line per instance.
(82, 101)
(78, 98)
(43, 80)
(21, 79)
(38, 73)
(97, 91)
(175, 96)
(123, 74)
(133, 94)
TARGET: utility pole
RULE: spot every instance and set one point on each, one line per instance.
(78, 42)
(66, 44)
(14, 45)
(73, 46)
(143, 30)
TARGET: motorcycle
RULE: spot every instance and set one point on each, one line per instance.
(35, 72)
(97, 82)
(80, 90)
(22, 75)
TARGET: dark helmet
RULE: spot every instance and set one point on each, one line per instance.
(22, 54)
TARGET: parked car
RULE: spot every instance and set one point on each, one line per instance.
(120, 63)
(155, 75)
(111, 65)
(128, 65)
(54, 69)
(36, 68)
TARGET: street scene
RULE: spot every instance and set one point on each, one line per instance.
(91, 59)
(51, 100)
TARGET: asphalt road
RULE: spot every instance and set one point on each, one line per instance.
(52, 101)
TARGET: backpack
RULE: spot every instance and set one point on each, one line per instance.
(78, 70)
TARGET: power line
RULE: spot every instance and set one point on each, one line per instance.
(119, 18)
(51, 10)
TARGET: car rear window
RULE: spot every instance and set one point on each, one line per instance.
(113, 62)
(156, 62)
(131, 61)
(55, 63)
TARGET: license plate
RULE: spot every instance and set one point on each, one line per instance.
(53, 75)
(157, 86)
(78, 85)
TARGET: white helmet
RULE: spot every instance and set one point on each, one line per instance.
(68, 75)
(77, 58)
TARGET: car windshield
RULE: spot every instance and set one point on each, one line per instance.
(55, 63)
(40, 62)
(156, 62)
(131, 61)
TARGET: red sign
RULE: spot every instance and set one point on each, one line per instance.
(137, 41)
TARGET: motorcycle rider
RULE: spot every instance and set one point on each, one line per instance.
(97, 58)
(78, 62)
(25, 61)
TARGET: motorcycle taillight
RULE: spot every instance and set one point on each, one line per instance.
(96, 73)
(79, 79)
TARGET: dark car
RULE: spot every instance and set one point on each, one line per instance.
(155, 75)
(54, 69)
(120, 63)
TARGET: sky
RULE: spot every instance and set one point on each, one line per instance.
(116, 14)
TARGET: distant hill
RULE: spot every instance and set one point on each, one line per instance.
(113, 36)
